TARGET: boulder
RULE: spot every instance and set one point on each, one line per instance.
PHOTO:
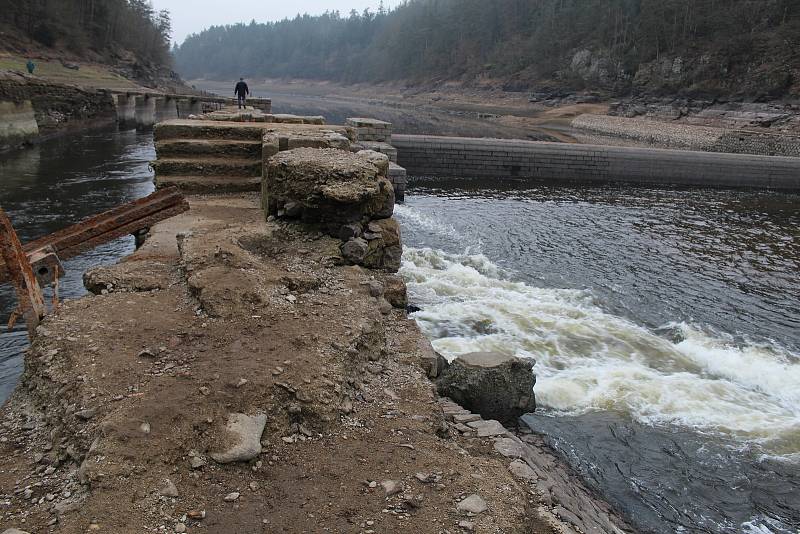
(394, 291)
(332, 187)
(497, 386)
(431, 361)
(244, 433)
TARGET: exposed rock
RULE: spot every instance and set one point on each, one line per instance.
(130, 276)
(395, 292)
(522, 470)
(245, 435)
(381, 161)
(391, 487)
(378, 248)
(349, 231)
(384, 307)
(432, 362)
(355, 250)
(509, 447)
(333, 187)
(168, 489)
(494, 385)
(375, 289)
(473, 504)
(232, 496)
(487, 429)
(14, 531)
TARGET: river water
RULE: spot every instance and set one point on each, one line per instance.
(665, 325)
(58, 183)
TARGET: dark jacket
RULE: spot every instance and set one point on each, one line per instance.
(241, 89)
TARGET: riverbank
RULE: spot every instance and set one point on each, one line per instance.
(460, 110)
(222, 313)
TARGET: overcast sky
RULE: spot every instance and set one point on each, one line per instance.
(192, 16)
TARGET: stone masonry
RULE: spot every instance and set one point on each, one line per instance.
(459, 157)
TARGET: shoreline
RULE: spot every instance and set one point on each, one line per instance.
(138, 408)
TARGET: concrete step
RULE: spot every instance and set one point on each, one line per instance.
(207, 167)
(383, 148)
(210, 184)
(237, 149)
(199, 129)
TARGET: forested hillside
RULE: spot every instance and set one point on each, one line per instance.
(100, 29)
(705, 46)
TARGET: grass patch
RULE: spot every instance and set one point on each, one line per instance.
(88, 75)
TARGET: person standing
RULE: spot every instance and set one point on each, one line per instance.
(31, 66)
(241, 90)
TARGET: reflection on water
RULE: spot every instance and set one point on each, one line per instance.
(58, 183)
(664, 325)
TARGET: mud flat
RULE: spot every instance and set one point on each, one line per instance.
(235, 374)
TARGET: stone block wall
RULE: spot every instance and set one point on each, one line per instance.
(458, 157)
(59, 107)
(17, 123)
(371, 129)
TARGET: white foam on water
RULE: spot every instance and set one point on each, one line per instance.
(588, 359)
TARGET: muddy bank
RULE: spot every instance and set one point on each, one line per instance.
(127, 395)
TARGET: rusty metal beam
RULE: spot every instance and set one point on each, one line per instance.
(29, 294)
(107, 226)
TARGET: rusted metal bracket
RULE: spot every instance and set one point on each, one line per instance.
(29, 293)
(117, 222)
(37, 263)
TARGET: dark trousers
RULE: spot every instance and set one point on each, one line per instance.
(241, 99)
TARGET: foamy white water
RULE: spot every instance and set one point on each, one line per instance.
(588, 359)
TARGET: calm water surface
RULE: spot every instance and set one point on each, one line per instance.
(58, 183)
(665, 325)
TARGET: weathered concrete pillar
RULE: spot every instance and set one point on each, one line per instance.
(166, 108)
(125, 106)
(189, 106)
(17, 123)
(145, 114)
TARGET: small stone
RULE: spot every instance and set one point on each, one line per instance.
(241, 382)
(180, 527)
(205, 390)
(375, 288)
(473, 504)
(146, 353)
(232, 496)
(144, 428)
(384, 307)
(522, 470)
(86, 414)
(197, 462)
(466, 525)
(391, 487)
(169, 489)
(254, 486)
(246, 431)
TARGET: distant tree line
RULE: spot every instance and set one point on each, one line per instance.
(99, 25)
(526, 40)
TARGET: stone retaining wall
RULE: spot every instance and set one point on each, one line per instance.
(559, 162)
(659, 134)
(17, 123)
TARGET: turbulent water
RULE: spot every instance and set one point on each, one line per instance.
(58, 183)
(665, 326)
